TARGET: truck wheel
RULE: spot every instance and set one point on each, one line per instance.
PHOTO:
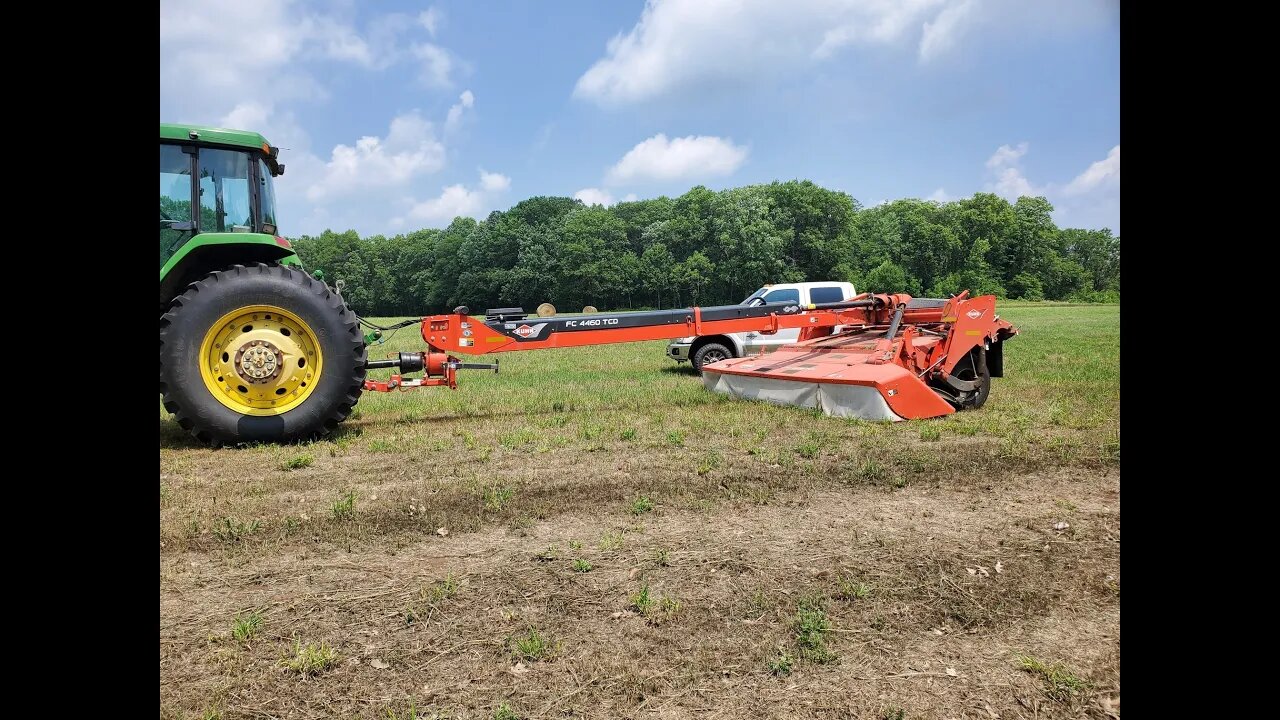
(709, 353)
(264, 353)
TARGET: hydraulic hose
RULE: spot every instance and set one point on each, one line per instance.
(897, 320)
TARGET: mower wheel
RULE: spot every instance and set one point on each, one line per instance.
(264, 353)
(974, 367)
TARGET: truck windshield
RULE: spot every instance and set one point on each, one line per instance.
(753, 296)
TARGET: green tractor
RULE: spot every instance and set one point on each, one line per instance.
(252, 347)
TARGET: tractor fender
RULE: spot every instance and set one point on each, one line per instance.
(208, 252)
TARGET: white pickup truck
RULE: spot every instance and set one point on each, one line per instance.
(702, 349)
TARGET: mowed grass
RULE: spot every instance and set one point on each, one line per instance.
(590, 463)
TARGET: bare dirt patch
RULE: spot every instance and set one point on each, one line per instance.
(932, 596)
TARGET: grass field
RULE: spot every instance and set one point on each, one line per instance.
(590, 533)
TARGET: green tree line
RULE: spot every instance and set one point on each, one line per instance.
(714, 248)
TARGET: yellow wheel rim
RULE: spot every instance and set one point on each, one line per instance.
(260, 360)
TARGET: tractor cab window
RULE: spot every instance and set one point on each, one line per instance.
(224, 192)
(267, 196)
(175, 200)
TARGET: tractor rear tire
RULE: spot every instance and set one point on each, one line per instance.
(264, 353)
(709, 353)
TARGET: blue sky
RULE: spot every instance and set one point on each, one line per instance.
(394, 116)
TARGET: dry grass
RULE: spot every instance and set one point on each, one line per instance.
(933, 560)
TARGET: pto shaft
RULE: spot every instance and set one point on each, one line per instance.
(405, 362)
(416, 361)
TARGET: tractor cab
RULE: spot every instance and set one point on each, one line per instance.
(214, 180)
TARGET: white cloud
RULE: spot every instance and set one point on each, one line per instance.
(1009, 182)
(342, 42)
(687, 44)
(366, 185)
(1012, 184)
(682, 158)
(217, 55)
(410, 149)
(454, 201)
(1096, 174)
(247, 115)
(279, 128)
(940, 195)
(868, 21)
(1090, 200)
(494, 182)
(944, 32)
(679, 43)
(207, 60)
(594, 196)
(1007, 156)
(436, 64)
(459, 201)
(465, 102)
(430, 19)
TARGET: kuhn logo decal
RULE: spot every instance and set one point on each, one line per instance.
(528, 331)
(974, 314)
